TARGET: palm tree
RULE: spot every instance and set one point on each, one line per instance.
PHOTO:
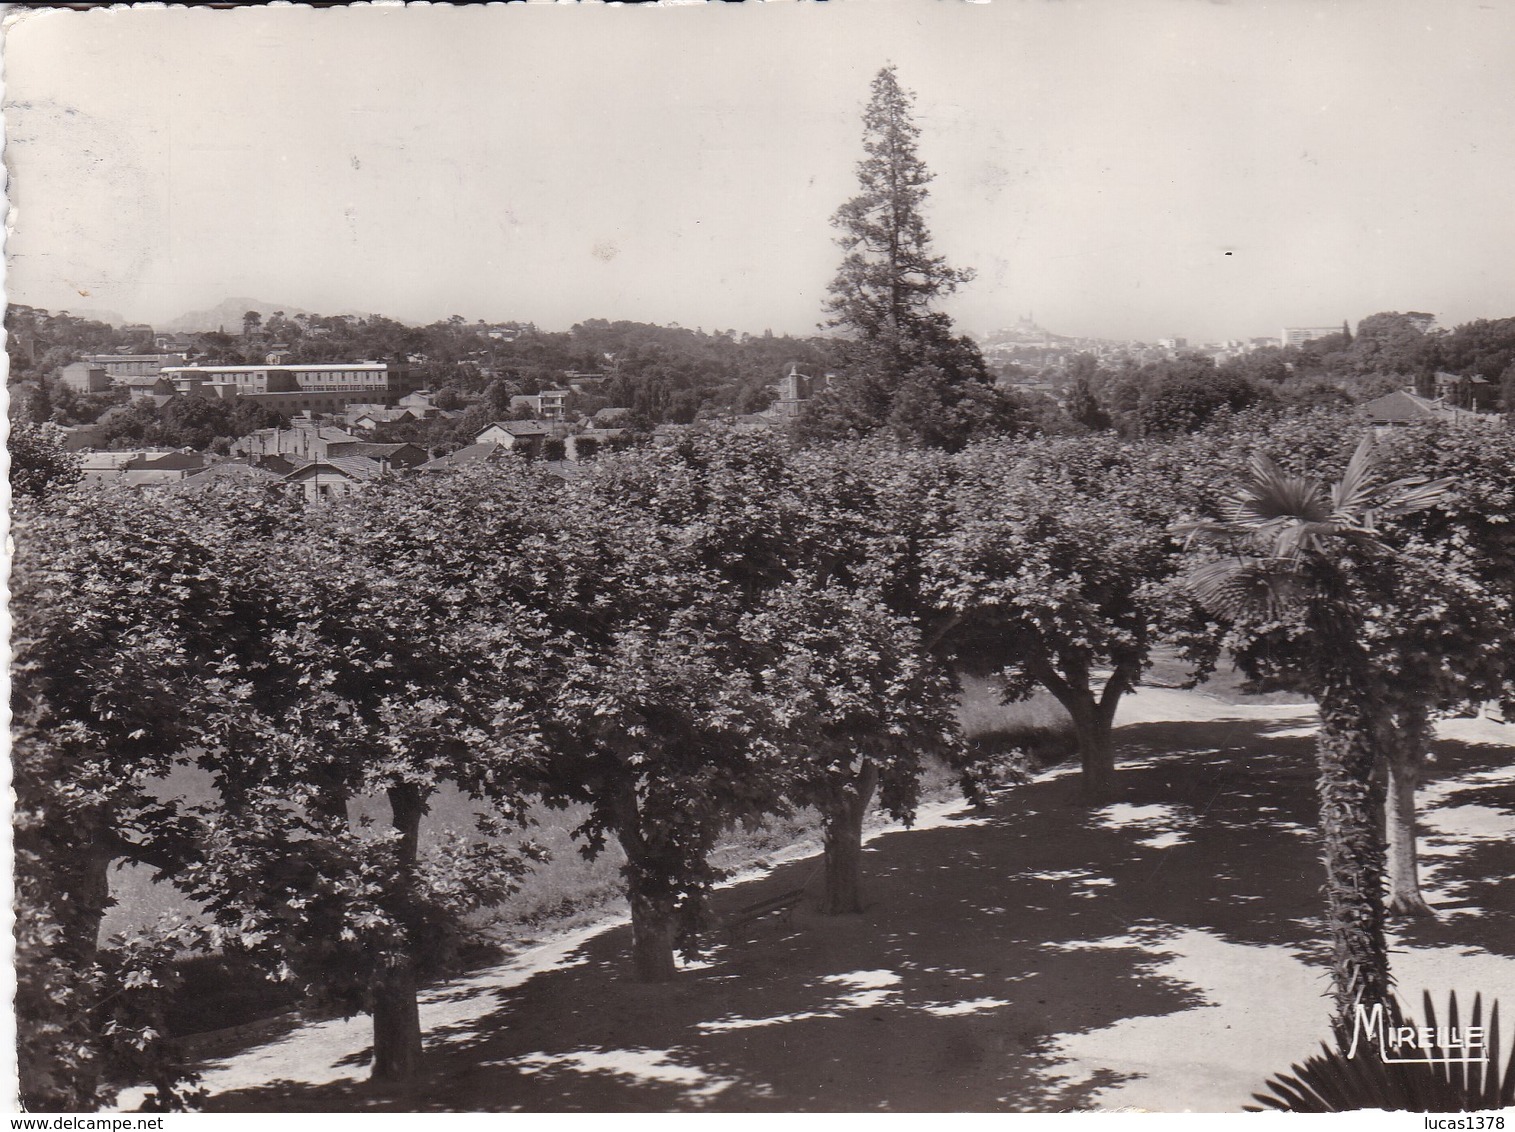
(1297, 553)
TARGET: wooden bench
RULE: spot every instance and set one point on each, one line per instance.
(784, 904)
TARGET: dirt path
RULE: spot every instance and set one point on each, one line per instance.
(1160, 953)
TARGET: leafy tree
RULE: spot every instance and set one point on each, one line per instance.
(1295, 550)
(1443, 635)
(391, 647)
(859, 703)
(1059, 574)
(1485, 347)
(1265, 365)
(111, 591)
(656, 722)
(1084, 407)
(41, 406)
(39, 461)
(1396, 343)
(1183, 394)
(448, 398)
(870, 512)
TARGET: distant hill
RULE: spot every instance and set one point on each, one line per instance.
(1026, 332)
(227, 315)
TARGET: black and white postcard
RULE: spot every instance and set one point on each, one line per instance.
(778, 557)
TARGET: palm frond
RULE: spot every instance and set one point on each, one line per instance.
(1333, 1082)
(1353, 493)
(1209, 530)
(1236, 588)
(1273, 493)
(1414, 493)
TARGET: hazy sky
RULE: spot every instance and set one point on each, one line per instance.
(1095, 161)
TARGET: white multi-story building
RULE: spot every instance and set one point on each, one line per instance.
(339, 377)
(1299, 335)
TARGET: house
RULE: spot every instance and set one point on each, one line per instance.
(305, 387)
(232, 470)
(311, 377)
(84, 377)
(1402, 407)
(392, 456)
(305, 439)
(334, 476)
(141, 467)
(367, 418)
(149, 469)
(584, 382)
(526, 437)
(153, 385)
(120, 365)
(105, 467)
(197, 386)
(549, 404)
(356, 409)
(483, 452)
(420, 403)
(794, 389)
(1471, 391)
(279, 465)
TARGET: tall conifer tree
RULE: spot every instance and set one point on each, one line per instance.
(903, 368)
(884, 290)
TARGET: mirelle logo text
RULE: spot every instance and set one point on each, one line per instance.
(1428, 1045)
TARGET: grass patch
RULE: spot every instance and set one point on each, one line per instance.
(1008, 741)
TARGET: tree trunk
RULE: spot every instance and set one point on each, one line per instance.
(84, 895)
(396, 1024)
(652, 933)
(1093, 720)
(1351, 813)
(70, 1077)
(1096, 752)
(653, 927)
(843, 825)
(1406, 750)
(396, 1015)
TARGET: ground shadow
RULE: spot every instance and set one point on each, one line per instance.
(983, 939)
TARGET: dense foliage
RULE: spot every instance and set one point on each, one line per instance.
(679, 640)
